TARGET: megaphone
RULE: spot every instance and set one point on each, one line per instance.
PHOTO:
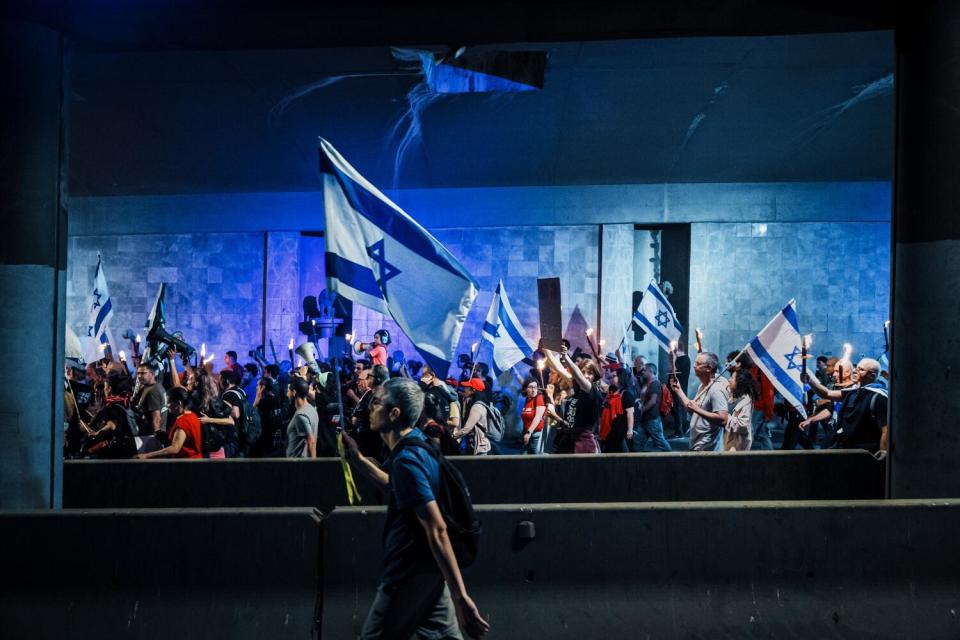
(159, 340)
(308, 351)
(360, 347)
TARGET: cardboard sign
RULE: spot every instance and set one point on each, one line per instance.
(551, 322)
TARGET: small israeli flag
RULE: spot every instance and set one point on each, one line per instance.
(777, 351)
(504, 332)
(98, 336)
(657, 317)
(381, 258)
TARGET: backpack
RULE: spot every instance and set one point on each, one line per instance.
(666, 400)
(249, 426)
(456, 505)
(495, 424)
(212, 439)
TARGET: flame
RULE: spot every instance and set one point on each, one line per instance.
(673, 346)
(123, 355)
(474, 346)
(290, 345)
(602, 342)
(138, 338)
(847, 350)
(349, 337)
(541, 365)
(886, 325)
(807, 340)
(203, 349)
(208, 360)
(589, 331)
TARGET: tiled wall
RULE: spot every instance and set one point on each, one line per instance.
(214, 285)
(839, 274)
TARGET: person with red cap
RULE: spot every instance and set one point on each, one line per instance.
(476, 400)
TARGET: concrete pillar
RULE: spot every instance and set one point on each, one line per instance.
(32, 267)
(925, 455)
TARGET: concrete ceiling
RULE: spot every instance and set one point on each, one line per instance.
(734, 109)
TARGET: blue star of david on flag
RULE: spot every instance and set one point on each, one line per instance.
(780, 334)
(387, 270)
(504, 332)
(381, 258)
(790, 358)
(101, 311)
(656, 316)
(492, 329)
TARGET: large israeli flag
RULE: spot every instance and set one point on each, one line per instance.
(98, 336)
(657, 317)
(504, 332)
(381, 258)
(777, 351)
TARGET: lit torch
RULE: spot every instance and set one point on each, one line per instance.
(699, 335)
(593, 348)
(886, 337)
(290, 351)
(473, 357)
(804, 345)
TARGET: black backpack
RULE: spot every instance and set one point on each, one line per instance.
(212, 439)
(249, 427)
(463, 526)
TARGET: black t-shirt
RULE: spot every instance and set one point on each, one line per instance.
(862, 414)
(234, 397)
(583, 409)
(653, 389)
(152, 398)
(83, 393)
(683, 371)
(628, 399)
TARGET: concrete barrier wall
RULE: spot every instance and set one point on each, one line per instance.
(826, 569)
(493, 480)
(160, 574)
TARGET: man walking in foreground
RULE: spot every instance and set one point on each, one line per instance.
(421, 591)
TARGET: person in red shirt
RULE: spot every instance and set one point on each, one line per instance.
(762, 417)
(184, 434)
(378, 348)
(532, 416)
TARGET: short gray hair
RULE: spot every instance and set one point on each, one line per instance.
(711, 360)
(404, 394)
(869, 364)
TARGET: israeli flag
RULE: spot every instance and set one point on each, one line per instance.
(504, 332)
(98, 336)
(657, 317)
(624, 348)
(777, 351)
(381, 258)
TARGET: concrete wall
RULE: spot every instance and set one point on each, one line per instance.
(798, 475)
(722, 570)
(160, 574)
(214, 285)
(839, 274)
(517, 234)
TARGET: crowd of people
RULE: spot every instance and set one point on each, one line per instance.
(569, 402)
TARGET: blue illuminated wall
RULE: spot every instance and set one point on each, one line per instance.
(826, 245)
